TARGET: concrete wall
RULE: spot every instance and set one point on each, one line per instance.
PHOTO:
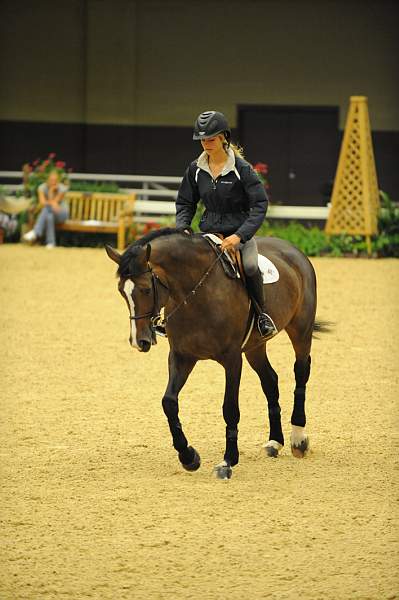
(160, 62)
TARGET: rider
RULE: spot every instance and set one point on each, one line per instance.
(235, 201)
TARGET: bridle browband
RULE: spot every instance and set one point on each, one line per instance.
(155, 313)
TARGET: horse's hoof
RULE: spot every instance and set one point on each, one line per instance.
(223, 470)
(195, 460)
(299, 451)
(272, 448)
(299, 441)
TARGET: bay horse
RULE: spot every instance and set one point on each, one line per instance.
(207, 316)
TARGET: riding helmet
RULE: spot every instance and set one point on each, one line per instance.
(209, 123)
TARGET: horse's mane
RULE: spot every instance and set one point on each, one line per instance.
(133, 250)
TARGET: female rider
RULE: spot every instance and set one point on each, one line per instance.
(235, 201)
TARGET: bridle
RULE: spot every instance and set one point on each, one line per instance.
(155, 314)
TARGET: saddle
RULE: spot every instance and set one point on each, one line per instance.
(230, 261)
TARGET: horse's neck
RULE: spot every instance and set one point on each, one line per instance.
(183, 263)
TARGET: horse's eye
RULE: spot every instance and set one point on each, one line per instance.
(145, 291)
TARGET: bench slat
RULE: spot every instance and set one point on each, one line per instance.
(99, 212)
(94, 226)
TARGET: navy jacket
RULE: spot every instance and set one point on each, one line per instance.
(235, 202)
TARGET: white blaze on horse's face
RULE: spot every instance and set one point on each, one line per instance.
(128, 291)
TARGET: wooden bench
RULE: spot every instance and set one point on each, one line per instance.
(99, 213)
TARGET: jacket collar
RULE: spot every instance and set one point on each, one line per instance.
(202, 163)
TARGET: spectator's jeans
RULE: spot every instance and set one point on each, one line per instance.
(45, 224)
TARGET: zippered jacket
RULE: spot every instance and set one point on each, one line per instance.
(235, 202)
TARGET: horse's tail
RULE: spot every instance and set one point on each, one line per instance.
(322, 327)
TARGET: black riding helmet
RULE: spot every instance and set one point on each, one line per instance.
(209, 124)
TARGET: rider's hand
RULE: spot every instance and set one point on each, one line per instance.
(55, 206)
(231, 242)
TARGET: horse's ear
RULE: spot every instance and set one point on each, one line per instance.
(148, 254)
(113, 254)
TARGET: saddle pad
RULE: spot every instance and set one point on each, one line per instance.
(267, 268)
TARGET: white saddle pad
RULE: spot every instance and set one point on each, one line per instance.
(267, 268)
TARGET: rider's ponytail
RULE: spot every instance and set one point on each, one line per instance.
(238, 150)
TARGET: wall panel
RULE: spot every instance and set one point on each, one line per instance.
(42, 60)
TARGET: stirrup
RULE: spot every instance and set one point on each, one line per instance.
(266, 326)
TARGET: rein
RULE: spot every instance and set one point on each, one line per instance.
(155, 313)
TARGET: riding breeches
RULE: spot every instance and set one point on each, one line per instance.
(249, 253)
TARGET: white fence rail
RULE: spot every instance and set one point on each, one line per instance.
(166, 207)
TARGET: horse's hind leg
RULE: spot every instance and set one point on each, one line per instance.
(302, 345)
(180, 368)
(258, 360)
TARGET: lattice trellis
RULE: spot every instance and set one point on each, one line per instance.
(355, 199)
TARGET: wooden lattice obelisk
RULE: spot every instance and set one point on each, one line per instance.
(355, 199)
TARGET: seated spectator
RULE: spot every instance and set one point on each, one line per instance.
(53, 211)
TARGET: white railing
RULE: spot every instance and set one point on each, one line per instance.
(167, 208)
(104, 177)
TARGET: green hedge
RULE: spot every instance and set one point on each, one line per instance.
(314, 242)
(109, 187)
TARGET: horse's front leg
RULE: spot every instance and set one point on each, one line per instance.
(231, 414)
(180, 368)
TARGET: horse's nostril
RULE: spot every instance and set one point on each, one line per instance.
(145, 345)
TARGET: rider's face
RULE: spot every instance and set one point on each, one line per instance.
(214, 144)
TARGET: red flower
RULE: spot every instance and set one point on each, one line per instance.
(45, 163)
(36, 162)
(261, 168)
(51, 155)
(60, 164)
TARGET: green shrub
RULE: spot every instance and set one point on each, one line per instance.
(312, 241)
(387, 242)
(110, 187)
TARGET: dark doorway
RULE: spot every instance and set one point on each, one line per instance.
(299, 144)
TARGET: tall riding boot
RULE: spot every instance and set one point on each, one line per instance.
(266, 326)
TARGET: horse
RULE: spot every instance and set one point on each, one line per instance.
(207, 316)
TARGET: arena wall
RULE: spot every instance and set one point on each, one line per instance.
(126, 65)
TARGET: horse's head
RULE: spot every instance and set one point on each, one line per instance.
(138, 286)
